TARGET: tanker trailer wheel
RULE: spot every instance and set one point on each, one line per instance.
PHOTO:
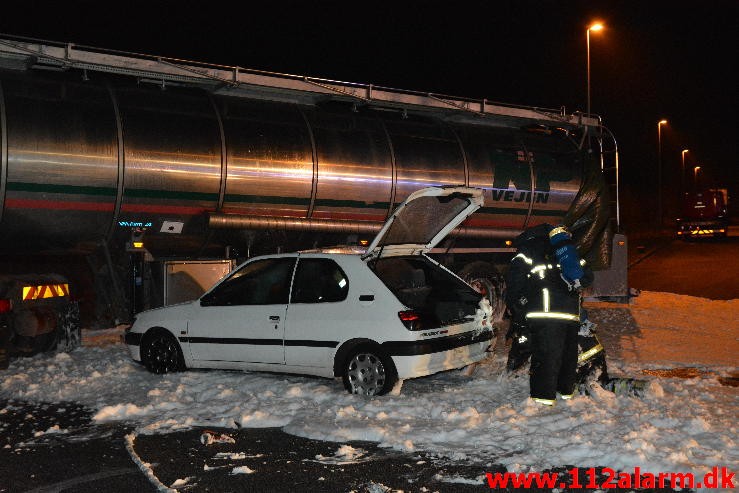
(37, 330)
(161, 353)
(486, 280)
(368, 371)
(43, 343)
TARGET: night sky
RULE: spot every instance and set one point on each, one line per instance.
(655, 59)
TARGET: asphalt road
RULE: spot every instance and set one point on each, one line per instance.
(111, 458)
(91, 458)
(706, 267)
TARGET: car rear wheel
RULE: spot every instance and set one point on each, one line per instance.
(161, 353)
(368, 372)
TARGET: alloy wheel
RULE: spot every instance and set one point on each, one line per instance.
(366, 374)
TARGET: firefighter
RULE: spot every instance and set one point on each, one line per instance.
(544, 283)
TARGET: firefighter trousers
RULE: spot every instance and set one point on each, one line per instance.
(553, 358)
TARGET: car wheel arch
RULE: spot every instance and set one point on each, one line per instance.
(152, 331)
(348, 347)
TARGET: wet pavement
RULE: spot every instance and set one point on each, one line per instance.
(705, 267)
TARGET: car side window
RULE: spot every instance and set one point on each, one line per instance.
(263, 282)
(319, 280)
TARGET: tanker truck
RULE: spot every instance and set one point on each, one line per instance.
(127, 180)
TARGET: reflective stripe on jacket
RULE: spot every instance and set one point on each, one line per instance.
(538, 290)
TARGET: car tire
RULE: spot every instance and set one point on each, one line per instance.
(161, 353)
(368, 371)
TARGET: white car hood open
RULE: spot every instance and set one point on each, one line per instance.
(424, 219)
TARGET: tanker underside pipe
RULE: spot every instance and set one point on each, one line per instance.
(231, 221)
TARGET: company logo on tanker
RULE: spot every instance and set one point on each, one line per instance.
(517, 174)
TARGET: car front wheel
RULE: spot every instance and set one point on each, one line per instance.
(368, 372)
(161, 353)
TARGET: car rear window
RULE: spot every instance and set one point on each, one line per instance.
(319, 280)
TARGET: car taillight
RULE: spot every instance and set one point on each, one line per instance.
(411, 320)
(5, 306)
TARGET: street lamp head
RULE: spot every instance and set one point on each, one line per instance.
(597, 26)
(662, 122)
(684, 151)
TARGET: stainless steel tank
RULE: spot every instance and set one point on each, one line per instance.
(85, 160)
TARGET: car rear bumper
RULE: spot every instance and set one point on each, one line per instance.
(437, 344)
(420, 358)
(702, 228)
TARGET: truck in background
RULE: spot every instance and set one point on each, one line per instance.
(37, 314)
(704, 213)
(123, 174)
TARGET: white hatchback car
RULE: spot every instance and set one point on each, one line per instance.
(371, 319)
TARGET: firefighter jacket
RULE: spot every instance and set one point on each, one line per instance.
(536, 288)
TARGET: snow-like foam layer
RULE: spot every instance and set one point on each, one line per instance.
(682, 424)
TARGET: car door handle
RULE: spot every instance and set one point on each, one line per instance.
(366, 297)
(274, 317)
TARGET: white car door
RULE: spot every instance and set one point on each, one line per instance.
(242, 319)
(320, 313)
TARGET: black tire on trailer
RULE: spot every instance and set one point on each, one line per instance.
(44, 343)
(161, 353)
(368, 371)
(48, 325)
(486, 280)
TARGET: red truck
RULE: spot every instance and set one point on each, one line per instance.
(704, 213)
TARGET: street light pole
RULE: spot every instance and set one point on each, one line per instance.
(594, 27)
(682, 171)
(695, 177)
(659, 172)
